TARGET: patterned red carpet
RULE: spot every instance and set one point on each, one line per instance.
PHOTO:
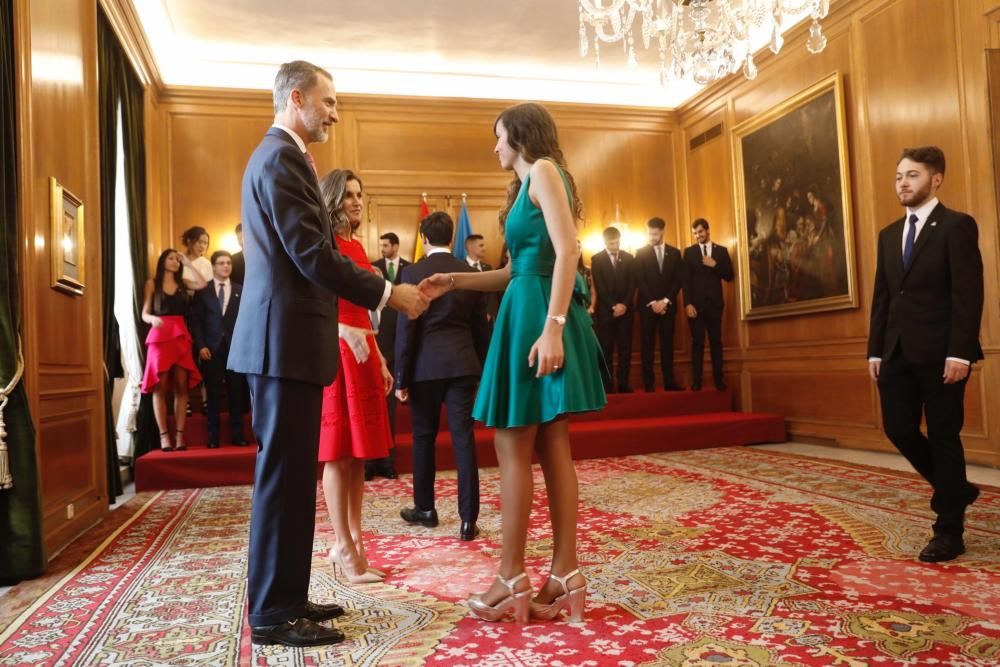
(714, 557)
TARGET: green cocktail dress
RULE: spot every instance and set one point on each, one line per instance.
(509, 393)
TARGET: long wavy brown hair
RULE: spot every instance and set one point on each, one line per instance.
(332, 187)
(532, 133)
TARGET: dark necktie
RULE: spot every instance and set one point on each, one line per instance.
(614, 262)
(222, 298)
(911, 236)
(391, 271)
(704, 250)
(312, 163)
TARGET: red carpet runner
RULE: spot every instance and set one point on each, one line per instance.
(631, 424)
(729, 556)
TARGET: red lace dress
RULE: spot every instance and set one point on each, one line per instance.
(355, 419)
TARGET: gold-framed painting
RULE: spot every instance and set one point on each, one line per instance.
(66, 236)
(793, 206)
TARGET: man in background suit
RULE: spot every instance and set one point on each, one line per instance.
(282, 342)
(475, 255)
(706, 265)
(613, 271)
(213, 318)
(658, 269)
(239, 263)
(439, 361)
(926, 311)
(391, 265)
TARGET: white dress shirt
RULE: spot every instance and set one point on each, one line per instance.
(660, 253)
(302, 146)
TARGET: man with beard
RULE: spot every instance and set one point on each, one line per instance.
(924, 338)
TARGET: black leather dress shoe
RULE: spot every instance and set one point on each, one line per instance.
(296, 632)
(387, 470)
(238, 440)
(943, 547)
(469, 531)
(673, 387)
(624, 390)
(369, 472)
(720, 386)
(317, 612)
(972, 495)
(426, 518)
(213, 443)
(696, 387)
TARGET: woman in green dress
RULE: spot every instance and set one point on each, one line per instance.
(543, 363)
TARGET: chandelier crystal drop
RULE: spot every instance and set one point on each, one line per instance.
(702, 40)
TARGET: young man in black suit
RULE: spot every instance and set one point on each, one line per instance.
(439, 358)
(391, 265)
(613, 271)
(706, 265)
(213, 318)
(658, 269)
(282, 342)
(475, 255)
(926, 311)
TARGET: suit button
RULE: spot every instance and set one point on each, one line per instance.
(902, 291)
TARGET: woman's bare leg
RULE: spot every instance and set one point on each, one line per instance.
(180, 376)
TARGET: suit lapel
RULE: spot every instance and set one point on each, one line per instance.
(895, 239)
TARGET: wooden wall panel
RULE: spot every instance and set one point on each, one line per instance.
(58, 137)
(892, 100)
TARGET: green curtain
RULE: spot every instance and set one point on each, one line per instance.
(109, 76)
(119, 86)
(22, 554)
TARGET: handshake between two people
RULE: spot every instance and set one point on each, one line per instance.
(412, 300)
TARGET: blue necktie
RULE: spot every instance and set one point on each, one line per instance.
(222, 298)
(911, 235)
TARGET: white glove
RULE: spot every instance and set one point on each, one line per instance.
(357, 340)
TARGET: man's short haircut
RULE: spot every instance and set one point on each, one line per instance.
(473, 237)
(611, 233)
(220, 253)
(296, 75)
(656, 223)
(700, 222)
(390, 237)
(437, 228)
(931, 156)
(239, 228)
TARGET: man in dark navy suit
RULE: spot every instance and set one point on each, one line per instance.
(926, 311)
(658, 268)
(706, 265)
(282, 342)
(213, 318)
(391, 265)
(439, 358)
(613, 271)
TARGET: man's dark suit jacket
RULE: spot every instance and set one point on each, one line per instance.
(386, 337)
(613, 285)
(654, 284)
(239, 268)
(210, 328)
(492, 298)
(703, 284)
(288, 314)
(932, 310)
(450, 339)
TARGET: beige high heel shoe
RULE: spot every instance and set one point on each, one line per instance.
(515, 603)
(366, 577)
(575, 600)
(364, 559)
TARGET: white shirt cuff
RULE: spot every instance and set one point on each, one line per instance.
(961, 361)
(385, 295)
(874, 358)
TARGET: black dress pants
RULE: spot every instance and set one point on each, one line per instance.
(909, 391)
(709, 321)
(458, 396)
(286, 421)
(652, 325)
(616, 332)
(217, 380)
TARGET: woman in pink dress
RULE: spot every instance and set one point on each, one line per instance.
(355, 422)
(168, 344)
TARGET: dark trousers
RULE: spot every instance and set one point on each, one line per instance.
(426, 398)
(651, 325)
(616, 332)
(908, 392)
(217, 378)
(286, 419)
(709, 321)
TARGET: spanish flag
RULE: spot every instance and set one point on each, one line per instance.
(418, 249)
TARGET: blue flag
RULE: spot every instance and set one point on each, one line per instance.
(464, 231)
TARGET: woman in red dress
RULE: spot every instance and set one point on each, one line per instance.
(168, 344)
(355, 422)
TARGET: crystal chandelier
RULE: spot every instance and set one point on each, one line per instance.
(705, 39)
